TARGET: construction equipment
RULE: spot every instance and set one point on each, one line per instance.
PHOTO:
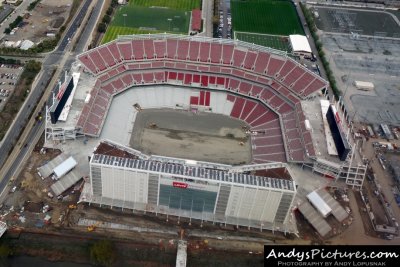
(72, 206)
(93, 227)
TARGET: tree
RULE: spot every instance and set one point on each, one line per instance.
(109, 11)
(102, 27)
(33, 66)
(106, 19)
(103, 253)
(114, 3)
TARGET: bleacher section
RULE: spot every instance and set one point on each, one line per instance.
(263, 88)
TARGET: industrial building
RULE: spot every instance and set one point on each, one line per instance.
(259, 196)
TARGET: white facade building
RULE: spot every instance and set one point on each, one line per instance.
(196, 191)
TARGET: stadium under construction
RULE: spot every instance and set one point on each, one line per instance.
(287, 119)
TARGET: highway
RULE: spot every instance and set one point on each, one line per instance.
(60, 58)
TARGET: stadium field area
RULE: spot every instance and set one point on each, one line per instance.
(277, 17)
(186, 5)
(273, 41)
(140, 20)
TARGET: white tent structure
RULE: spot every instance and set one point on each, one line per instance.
(319, 204)
(300, 45)
(26, 44)
(65, 167)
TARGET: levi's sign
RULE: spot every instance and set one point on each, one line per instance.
(179, 184)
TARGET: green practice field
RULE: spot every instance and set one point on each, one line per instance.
(277, 17)
(273, 41)
(186, 5)
(113, 32)
(140, 20)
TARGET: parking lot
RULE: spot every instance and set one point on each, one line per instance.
(9, 75)
(224, 29)
(369, 59)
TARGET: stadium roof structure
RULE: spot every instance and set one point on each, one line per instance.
(264, 82)
(170, 166)
(299, 43)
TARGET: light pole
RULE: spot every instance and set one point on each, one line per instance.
(124, 15)
(169, 21)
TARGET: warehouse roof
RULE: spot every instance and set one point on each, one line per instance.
(299, 43)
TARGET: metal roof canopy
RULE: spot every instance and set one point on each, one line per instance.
(337, 210)
(316, 220)
(319, 204)
(65, 182)
(65, 167)
(47, 169)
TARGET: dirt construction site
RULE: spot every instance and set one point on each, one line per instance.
(197, 136)
(47, 17)
(33, 217)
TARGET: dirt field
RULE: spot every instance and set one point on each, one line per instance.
(47, 16)
(201, 136)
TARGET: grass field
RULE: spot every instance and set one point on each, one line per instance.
(265, 16)
(273, 41)
(141, 20)
(186, 5)
(113, 32)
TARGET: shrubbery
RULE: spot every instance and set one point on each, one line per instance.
(313, 29)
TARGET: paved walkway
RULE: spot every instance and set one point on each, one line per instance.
(207, 15)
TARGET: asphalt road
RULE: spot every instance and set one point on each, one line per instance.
(74, 26)
(5, 12)
(22, 118)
